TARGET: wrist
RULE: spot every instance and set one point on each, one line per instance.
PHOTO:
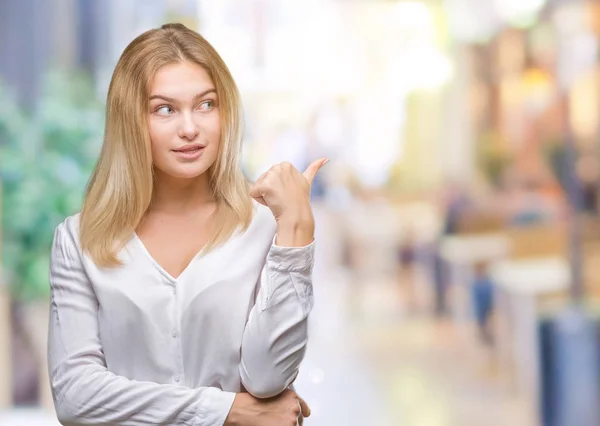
(234, 418)
(295, 231)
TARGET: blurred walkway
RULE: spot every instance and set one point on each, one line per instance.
(434, 374)
(375, 360)
(27, 417)
(337, 380)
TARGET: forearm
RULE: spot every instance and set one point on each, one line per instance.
(276, 335)
(273, 347)
(90, 395)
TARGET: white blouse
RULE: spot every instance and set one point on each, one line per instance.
(134, 346)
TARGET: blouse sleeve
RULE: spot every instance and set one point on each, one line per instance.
(276, 333)
(84, 391)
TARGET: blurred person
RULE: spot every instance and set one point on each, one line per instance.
(455, 205)
(406, 253)
(180, 294)
(328, 135)
(440, 282)
(588, 173)
(482, 296)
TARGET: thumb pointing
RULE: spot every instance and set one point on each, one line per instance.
(313, 168)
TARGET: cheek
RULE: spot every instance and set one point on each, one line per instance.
(213, 131)
(159, 133)
(161, 136)
(215, 127)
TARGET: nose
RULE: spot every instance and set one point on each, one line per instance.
(188, 129)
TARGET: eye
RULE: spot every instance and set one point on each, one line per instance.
(207, 105)
(164, 110)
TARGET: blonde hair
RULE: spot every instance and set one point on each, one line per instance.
(121, 187)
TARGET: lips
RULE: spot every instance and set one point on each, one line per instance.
(189, 149)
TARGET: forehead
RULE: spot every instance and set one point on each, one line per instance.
(180, 80)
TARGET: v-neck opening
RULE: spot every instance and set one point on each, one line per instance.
(158, 266)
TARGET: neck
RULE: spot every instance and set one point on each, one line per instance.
(174, 195)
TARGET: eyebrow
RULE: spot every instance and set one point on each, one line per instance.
(198, 96)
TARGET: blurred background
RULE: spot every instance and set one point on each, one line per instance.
(457, 278)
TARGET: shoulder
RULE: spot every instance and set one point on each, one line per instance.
(70, 225)
(66, 234)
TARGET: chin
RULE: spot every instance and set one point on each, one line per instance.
(189, 171)
(186, 175)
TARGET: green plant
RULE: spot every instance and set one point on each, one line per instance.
(46, 157)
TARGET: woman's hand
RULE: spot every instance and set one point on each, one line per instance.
(286, 409)
(286, 192)
(305, 411)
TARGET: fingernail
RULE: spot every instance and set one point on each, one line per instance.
(326, 161)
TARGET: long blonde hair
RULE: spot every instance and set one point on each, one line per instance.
(121, 187)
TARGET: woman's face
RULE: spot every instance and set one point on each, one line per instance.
(184, 120)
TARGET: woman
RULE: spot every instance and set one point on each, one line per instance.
(180, 294)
